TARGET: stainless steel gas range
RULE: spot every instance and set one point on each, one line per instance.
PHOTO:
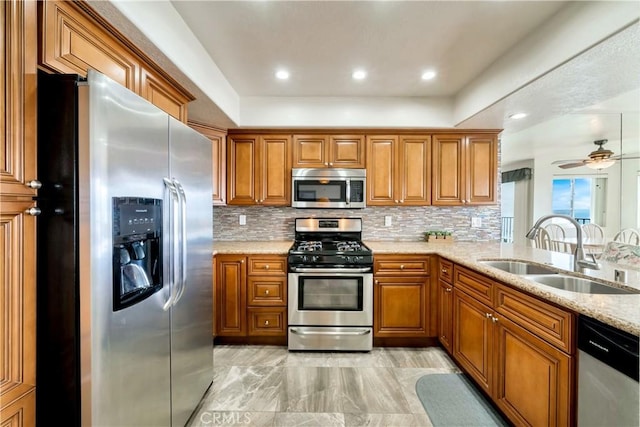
(330, 286)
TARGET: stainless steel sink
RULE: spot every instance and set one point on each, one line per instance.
(577, 284)
(518, 267)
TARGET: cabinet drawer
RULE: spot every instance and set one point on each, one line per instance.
(267, 321)
(548, 322)
(445, 271)
(265, 265)
(473, 284)
(401, 265)
(271, 291)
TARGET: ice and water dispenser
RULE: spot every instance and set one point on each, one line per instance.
(137, 250)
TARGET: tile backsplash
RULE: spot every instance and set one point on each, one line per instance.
(407, 223)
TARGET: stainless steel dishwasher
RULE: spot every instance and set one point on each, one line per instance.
(608, 388)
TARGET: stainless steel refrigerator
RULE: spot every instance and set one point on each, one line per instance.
(124, 268)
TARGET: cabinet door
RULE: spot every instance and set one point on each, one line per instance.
(274, 176)
(17, 304)
(242, 164)
(533, 378)
(472, 338)
(18, 90)
(413, 182)
(482, 169)
(310, 151)
(72, 43)
(381, 171)
(346, 151)
(400, 307)
(448, 170)
(156, 90)
(231, 298)
(445, 315)
(218, 160)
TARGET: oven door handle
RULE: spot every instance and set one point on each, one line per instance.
(331, 270)
(360, 332)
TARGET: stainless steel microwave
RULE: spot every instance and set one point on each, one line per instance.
(328, 188)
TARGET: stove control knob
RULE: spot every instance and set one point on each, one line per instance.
(315, 258)
(304, 258)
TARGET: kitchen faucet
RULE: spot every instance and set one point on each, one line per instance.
(579, 257)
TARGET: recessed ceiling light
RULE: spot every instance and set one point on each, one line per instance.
(517, 116)
(428, 75)
(282, 74)
(359, 74)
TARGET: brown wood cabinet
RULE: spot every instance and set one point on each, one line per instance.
(328, 151)
(445, 304)
(403, 298)
(251, 295)
(218, 139)
(399, 170)
(518, 349)
(17, 227)
(231, 295)
(259, 170)
(74, 38)
(464, 169)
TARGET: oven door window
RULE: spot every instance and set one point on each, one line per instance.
(330, 293)
(320, 191)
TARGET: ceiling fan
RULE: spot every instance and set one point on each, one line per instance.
(598, 159)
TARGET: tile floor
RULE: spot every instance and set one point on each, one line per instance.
(270, 386)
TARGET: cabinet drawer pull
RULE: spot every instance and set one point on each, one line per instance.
(35, 184)
(266, 291)
(266, 323)
(266, 267)
(402, 267)
(444, 271)
(33, 211)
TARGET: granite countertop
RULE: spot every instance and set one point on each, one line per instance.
(621, 311)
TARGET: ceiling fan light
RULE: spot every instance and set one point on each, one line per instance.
(602, 164)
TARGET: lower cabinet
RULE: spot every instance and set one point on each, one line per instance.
(404, 300)
(528, 374)
(251, 295)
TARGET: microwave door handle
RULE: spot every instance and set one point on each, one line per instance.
(348, 192)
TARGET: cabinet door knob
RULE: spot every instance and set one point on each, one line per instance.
(401, 200)
(377, 282)
(330, 164)
(35, 184)
(266, 292)
(396, 201)
(494, 319)
(241, 261)
(444, 270)
(266, 267)
(402, 267)
(326, 164)
(266, 323)
(33, 211)
(488, 315)
(447, 289)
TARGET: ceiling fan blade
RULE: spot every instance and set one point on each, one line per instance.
(572, 165)
(625, 157)
(557, 162)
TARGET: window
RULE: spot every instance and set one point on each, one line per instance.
(583, 198)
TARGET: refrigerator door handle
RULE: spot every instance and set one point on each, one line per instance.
(182, 198)
(173, 252)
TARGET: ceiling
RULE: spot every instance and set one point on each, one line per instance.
(322, 42)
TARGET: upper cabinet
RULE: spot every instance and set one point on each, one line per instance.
(328, 151)
(259, 170)
(74, 39)
(399, 170)
(218, 139)
(18, 65)
(465, 169)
